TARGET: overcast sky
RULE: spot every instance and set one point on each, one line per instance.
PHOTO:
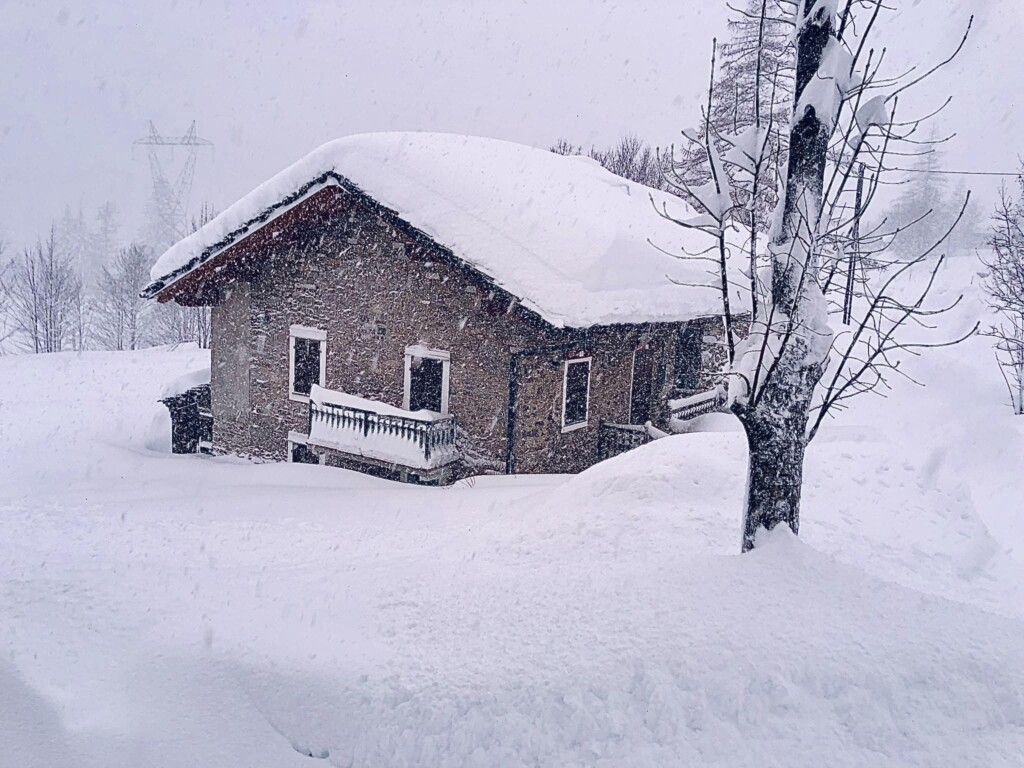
(269, 81)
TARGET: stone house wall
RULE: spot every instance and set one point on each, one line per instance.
(336, 264)
(540, 444)
(229, 369)
(714, 348)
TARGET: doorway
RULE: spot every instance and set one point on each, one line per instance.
(641, 390)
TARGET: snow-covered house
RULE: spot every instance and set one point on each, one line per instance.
(425, 306)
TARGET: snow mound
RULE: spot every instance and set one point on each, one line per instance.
(783, 658)
(81, 419)
(577, 244)
(187, 381)
(174, 611)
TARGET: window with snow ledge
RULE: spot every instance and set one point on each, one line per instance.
(307, 361)
(576, 394)
(299, 451)
(427, 375)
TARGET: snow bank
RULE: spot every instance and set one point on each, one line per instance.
(174, 611)
(573, 241)
(184, 383)
(95, 412)
(784, 658)
(31, 732)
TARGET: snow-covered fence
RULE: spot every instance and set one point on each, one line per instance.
(686, 408)
(366, 428)
(613, 439)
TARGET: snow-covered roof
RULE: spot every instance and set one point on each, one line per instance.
(575, 243)
(190, 380)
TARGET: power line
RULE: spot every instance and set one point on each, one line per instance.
(956, 173)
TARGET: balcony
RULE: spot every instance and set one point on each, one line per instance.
(423, 441)
(613, 439)
(700, 404)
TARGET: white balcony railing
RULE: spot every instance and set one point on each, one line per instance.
(366, 428)
(691, 407)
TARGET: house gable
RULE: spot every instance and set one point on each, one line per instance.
(297, 227)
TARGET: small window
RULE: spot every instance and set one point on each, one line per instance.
(301, 454)
(307, 365)
(307, 354)
(427, 374)
(576, 394)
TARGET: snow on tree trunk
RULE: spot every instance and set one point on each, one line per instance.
(781, 365)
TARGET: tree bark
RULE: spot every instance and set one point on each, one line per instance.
(776, 441)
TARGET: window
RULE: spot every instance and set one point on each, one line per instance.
(299, 451)
(427, 374)
(307, 358)
(576, 394)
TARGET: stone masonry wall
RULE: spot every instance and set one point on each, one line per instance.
(540, 444)
(375, 290)
(229, 370)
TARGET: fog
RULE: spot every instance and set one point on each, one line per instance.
(267, 82)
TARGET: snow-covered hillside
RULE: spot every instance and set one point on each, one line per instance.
(169, 611)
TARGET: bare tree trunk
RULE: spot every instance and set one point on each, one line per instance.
(776, 438)
(775, 419)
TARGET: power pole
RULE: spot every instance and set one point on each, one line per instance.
(851, 270)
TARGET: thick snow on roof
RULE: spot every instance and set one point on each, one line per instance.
(190, 380)
(574, 242)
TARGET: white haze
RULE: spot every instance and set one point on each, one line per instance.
(268, 81)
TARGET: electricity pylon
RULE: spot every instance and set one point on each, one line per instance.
(171, 200)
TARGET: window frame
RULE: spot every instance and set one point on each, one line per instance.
(418, 350)
(565, 388)
(300, 438)
(312, 334)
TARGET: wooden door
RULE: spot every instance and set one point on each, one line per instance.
(641, 396)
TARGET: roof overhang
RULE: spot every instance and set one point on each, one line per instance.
(204, 264)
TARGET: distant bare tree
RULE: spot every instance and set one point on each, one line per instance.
(122, 315)
(631, 158)
(565, 147)
(175, 324)
(81, 318)
(44, 294)
(1004, 285)
(5, 330)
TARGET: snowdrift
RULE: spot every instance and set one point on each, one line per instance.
(170, 611)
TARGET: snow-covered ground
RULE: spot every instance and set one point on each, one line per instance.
(170, 611)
